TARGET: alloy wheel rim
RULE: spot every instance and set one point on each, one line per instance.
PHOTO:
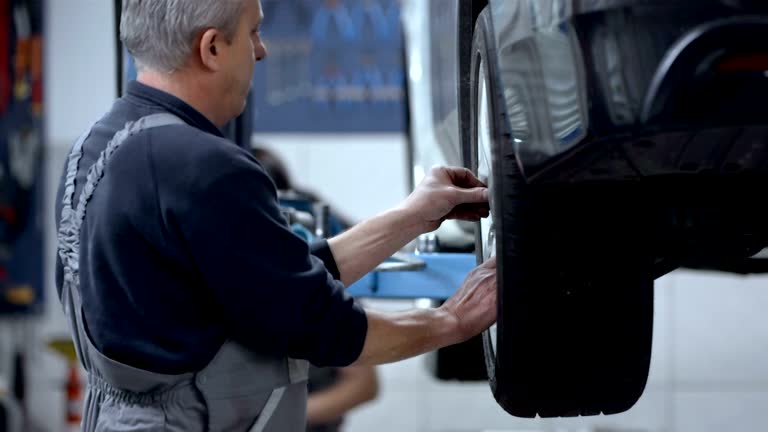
(485, 174)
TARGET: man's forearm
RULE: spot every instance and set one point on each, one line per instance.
(363, 247)
(396, 336)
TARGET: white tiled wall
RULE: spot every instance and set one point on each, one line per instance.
(722, 410)
(661, 358)
(717, 315)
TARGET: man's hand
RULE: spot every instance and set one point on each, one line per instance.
(396, 336)
(474, 304)
(447, 193)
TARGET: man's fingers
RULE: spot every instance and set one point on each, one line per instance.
(490, 264)
(470, 212)
(463, 177)
(468, 215)
(473, 195)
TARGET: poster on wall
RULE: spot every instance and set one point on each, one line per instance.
(21, 156)
(333, 66)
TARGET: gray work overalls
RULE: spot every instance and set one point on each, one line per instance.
(239, 390)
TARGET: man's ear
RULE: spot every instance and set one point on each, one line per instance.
(210, 49)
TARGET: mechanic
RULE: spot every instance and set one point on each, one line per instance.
(193, 305)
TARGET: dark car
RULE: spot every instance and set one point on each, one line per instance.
(621, 139)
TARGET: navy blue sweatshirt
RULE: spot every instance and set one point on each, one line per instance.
(184, 246)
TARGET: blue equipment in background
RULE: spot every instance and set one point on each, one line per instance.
(404, 276)
(415, 276)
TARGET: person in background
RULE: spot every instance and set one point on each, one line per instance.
(333, 392)
(276, 169)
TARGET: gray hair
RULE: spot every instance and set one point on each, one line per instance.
(160, 34)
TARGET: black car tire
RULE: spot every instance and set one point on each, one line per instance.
(575, 283)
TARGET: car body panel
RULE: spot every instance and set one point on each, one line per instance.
(578, 72)
(577, 75)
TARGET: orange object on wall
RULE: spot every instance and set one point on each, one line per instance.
(21, 66)
(74, 397)
(36, 73)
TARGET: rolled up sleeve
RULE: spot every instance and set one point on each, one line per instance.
(322, 250)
